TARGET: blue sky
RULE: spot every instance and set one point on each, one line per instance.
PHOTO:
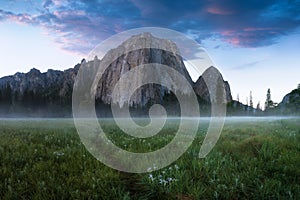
(255, 44)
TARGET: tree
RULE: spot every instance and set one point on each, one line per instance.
(247, 104)
(28, 97)
(298, 86)
(269, 103)
(7, 94)
(238, 98)
(258, 106)
(251, 100)
(15, 97)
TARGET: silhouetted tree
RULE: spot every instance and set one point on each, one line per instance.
(238, 98)
(7, 94)
(298, 86)
(15, 98)
(269, 103)
(258, 106)
(251, 100)
(28, 97)
(246, 106)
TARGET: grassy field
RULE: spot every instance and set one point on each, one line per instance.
(253, 159)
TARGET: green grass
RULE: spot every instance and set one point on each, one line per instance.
(44, 159)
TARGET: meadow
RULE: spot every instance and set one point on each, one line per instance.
(255, 158)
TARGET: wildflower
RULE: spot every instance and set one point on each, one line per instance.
(162, 181)
(169, 179)
(151, 177)
(58, 154)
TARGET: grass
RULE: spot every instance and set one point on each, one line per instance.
(45, 159)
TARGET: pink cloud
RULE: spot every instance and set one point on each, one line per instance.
(235, 41)
(227, 33)
(61, 14)
(218, 11)
(232, 37)
(17, 18)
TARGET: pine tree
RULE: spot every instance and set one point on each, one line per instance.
(247, 104)
(251, 100)
(7, 94)
(298, 86)
(238, 98)
(258, 106)
(269, 103)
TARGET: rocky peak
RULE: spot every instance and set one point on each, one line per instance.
(120, 63)
(210, 77)
(34, 72)
(55, 87)
(292, 98)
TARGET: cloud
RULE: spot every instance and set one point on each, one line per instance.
(218, 11)
(78, 25)
(248, 65)
(81, 25)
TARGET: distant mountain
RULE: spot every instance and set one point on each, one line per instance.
(50, 94)
(37, 94)
(290, 103)
(208, 75)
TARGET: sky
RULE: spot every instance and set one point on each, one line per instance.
(255, 44)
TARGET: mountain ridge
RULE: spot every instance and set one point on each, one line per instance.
(51, 91)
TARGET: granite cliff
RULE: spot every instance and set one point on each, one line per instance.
(50, 93)
(290, 103)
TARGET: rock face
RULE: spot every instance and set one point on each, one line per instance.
(209, 77)
(290, 103)
(34, 90)
(52, 85)
(150, 93)
(37, 94)
(292, 97)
